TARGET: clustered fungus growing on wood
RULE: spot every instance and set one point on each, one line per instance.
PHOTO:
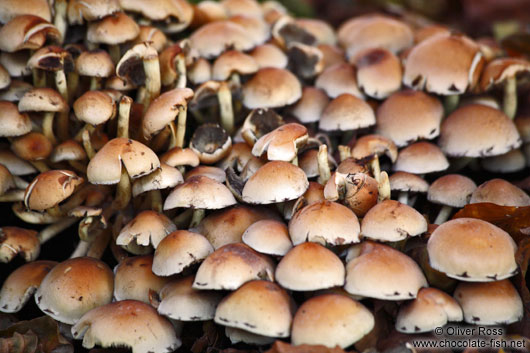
(271, 177)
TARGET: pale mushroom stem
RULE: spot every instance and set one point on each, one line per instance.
(160, 140)
(443, 215)
(224, 95)
(115, 53)
(198, 215)
(183, 219)
(72, 82)
(118, 252)
(403, 197)
(383, 187)
(155, 197)
(39, 78)
(295, 161)
(450, 103)
(375, 168)
(87, 144)
(344, 152)
(59, 19)
(12, 196)
(152, 80)
(98, 246)
(47, 127)
(81, 249)
(55, 228)
(123, 191)
(40, 165)
(180, 67)
(323, 165)
(19, 182)
(123, 117)
(173, 135)
(95, 83)
(510, 97)
(181, 126)
(62, 88)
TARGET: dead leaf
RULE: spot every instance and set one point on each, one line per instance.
(282, 347)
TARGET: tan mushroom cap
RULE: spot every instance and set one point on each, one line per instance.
(269, 237)
(69, 150)
(242, 7)
(331, 320)
(51, 58)
(321, 30)
(509, 162)
(338, 79)
(432, 308)
(308, 267)
(148, 227)
(94, 107)
(214, 173)
(162, 178)
(491, 303)
(476, 130)
(112, 30)
(392, 221)
(407, 116)
(179, 156)
(452, 190)
(271, 88)
(379, 271)
(472, 250)
(50, 188)
(6, 180)
(26, 32)
(310, 107)
(200, 72)
(275, 181)
(368, 145)
(12, 122)
(421, 158)
(179, 250)
(331, 55)
(228, 267)
(180, 301)
(5, 79)
(231, 62)
(20, 285)
(200, 192)
(237, 335)
(124, 323)
(15, 240)
(308, 161)
(177, 12)
(16, 89)
(269, 55)
(523, 126)
(79, 11)
(105, 167)
(134, 279)
(429, 31)
(74, 287)
(15, 164)
(97, 63)
(214, 38)
(15, 63)
(282, 143)
(164, 110)
(499, 70)
(259, 307)
(379, 72)
(324, 222)
(10, 9)
(346, 112)
(500, 192)
(444, 65)
(255, 27)
(42, 100)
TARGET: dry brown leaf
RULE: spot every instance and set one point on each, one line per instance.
(282, 347)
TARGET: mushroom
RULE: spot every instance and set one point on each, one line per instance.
(269, 237)
(18, 241)
(451, 190)
(211, 143)
(147, 228)
(500, 192)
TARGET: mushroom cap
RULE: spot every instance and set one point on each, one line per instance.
(200, 192)
(310, 107)
(509, 162)
(15, 164)
(228, 267)
(392, 221)
(128, 323)
(282, 143)
(231, 62)
(379, 271)
(499, 70)
(215, 173)
(211, 143)
(112, 30)
(69, 150)
(10, 9)
(421, 158)
(42, 100)
(74, 287)
(407, 116)
(50, 188)
(179, 301)
(162, 178)
(308, 267)
(26, 32)
(96, 63)
(164, 109)
(255, 27)
(178, 156)
(79, 11)
(6, 180)
(471, 249)
(148, 227)
(275, 181)
(321, 30)
(269, 55)
(134, 279)
(179, 250)
(32, 146)
(432, 308)
(369, 145)
(105, 167)
(325, 222)
(268, 236)
(271, 88)
(500, 192)
(15, 63)
(338, 79)
(331, 320)
(260, 307)
(94, 107)
(5, 79)
(331, 55)
(214, 38)
(16, 89)
(249, 8)
(12, 122)
(452, 190)
(15, 240)
(476, 130)
(490, 303)
(346, 112)
(445, 65)
(20, 285)
(52, 59)
(177, 12)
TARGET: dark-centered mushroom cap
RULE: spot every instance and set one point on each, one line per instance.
(211, 143)
(452, 190)
(51, 58)
(271, 88)
(500, 192)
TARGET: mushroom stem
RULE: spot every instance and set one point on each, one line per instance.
(156, 200)
(62, 121)
(87, 144)
(224, 96)
(117, 251)
(295, 161)
(78, 166)
(375, 167)
(40, 165)
(55, 228)
(403, 197)
(19, 182)
(383, 187)
(12, 196)
(347, 136)
(450, 103)
(47, 127)
(39, 78)
(152, 80)
(173, 136)
(323, 165)
(509, 104)
(198, 215)
(180, 66)
(98, 246)
(81, 249)
(95, 83)
(123, 117)
(123, 191)
(160, 140)
(181, 126)
(344, 152)
(115, 53)
(183, 218)
(32, 217)
(61, 83)
(72, 82)
(59, 19)
(443, 215)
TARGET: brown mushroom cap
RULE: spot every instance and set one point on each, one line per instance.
(50, 188)
(269, 55)
(10, 9)
(200, 192)
(26, 32)
(69, 150)
(452, 190)
(211, 143)
(255, 27)
(282, 143)
(269, 237)
(148, 227)
(43, 100)
(472, 250)
(79, 11)
(97, 63)
(114, 29)
(162, 178)
(12, 122)
(476, 130)
(338, 79)
(214, 38)
(271, 88)
(500, 192)
(231, 62)
(421, 158)
(94, 107)
(310, 107)
(15, 240)
(346, 112)
(369, 145)
(499, 70)
(124, 323)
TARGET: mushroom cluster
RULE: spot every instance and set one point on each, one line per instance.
(271, 175)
